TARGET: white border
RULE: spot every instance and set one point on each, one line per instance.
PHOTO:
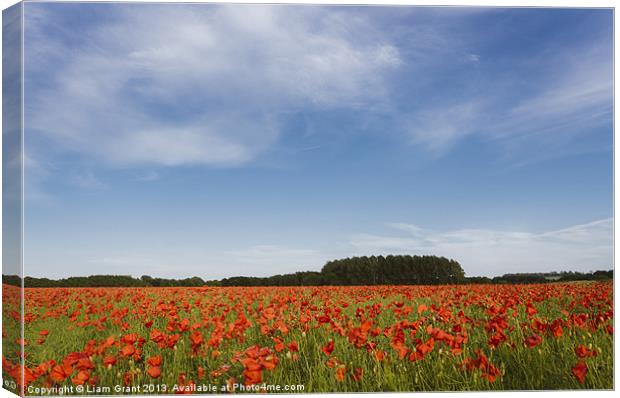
(484, 3)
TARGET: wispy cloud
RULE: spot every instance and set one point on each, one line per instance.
(146, 89)
(88, 180)
(488, 252)
(216, 90)
(439, 129)
(538, 109)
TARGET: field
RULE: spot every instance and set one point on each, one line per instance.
(312, 339)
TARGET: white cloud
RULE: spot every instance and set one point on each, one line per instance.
(438, 129)
(572, 97)
(197, 85)
(473, 58)
(492, 252)
(174, 85)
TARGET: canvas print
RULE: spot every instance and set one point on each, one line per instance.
(231, 198)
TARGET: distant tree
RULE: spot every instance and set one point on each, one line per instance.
(364, 270)
(478, 279)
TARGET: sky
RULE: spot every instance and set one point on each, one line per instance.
(221, 140)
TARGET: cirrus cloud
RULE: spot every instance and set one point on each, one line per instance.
(582, 247)
(194, 85)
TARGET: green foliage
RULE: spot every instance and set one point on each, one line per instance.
(546, 277)
(12, 280)
(106, 281)
(373, 270)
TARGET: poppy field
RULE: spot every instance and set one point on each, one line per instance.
(310, 339)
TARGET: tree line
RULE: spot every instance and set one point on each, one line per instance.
(372, 270)
(364, 270)
(105, 281)
(545, 277)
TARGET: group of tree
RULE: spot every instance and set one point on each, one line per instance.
(545, 277)
(365, 270)
(105, 281)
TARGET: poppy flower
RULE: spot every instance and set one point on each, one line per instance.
(109, 361)
(328, 348)
(481, 363)
(341, 372)
(269, 362)
(60, 373)
(128, 350)
(84, 364)
(582, 352)
(332, 362)
(154, 371)
(279, 344)
(580, 370)
(358, 373)
(533, 340)
(251, 377)
(197, 340)
(129, 338)
(128, 377)
(154, 361)
(81, 378)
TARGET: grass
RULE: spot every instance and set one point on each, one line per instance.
(98, 314)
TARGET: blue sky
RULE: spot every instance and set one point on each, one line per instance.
(180, 140)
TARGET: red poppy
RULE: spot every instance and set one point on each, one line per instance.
(328, 348)
(109, 361)
(533, 340)
(269, 362)
(60, 373)
(580, 370)
(154, 371)
(341, 372)
(582, 352)
(154, 361)
(279, 344)
(129, 338)
(128, 350)
(81, 378)
(358, 373)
